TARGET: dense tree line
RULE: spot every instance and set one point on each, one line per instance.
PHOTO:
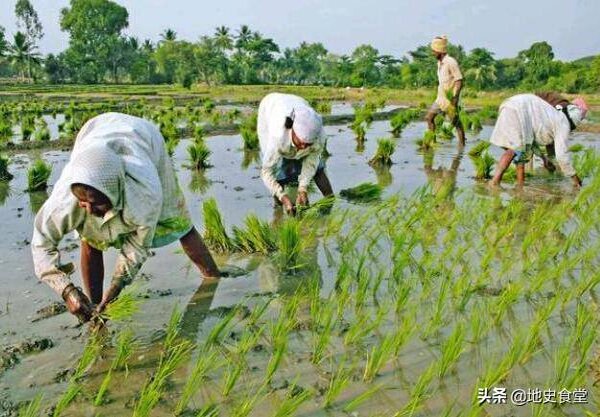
(99, 52)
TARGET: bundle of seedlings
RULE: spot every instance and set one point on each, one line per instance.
(215, 234)
(383, 155)
(427, 142)
(4, 174)
(363, 117)
(367, 191)
(41, 132)
(248, 132)
(256, 237)
(198, 153)
(402, 119)
(38, 175)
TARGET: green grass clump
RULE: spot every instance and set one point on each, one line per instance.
(482, 160)
(198, 153)
(578, 147)
(121, 309)
(402, 119)
(363, 117)
(289, 244)
(41, 133)
(256, 237)
(38, 175)
(366, 191)
(215, 234)
(249, 133)
(6, 131)
(323, 107)
(32, 408)
(4, 174)
(383, 155)
(428, 141)
(479, 148)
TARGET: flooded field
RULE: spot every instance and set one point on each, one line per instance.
(405, 305)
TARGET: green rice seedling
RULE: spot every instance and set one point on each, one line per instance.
(484, 164)
(444, 130)
(215, 234)
(121, 309)
(383, 155)
(361, 398)
(5, 175)
(378, 356)
(38, 175)
(198, 153)
(216, 332)
(32, 408)
(209, 410)
(294, 398)
(451, 350)
(479, 148)
(171, 145)
(6, 131)
(204, 363)
(41, 132)
(234, 370)
(245, 406)
(577, 147)
(256, 237)
(366, 192)
(155, 386)
(363, 117)
(27, 126)
(249, 133)
(198, 133)
(427, 141)
(289, 244)
(99, 399)
(419, 393)
(338, 381)
(323, 315)
(323, 107)
(401, 119)
(275, 360)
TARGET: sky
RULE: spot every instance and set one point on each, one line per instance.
(392, 26)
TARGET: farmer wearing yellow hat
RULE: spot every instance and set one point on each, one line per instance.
(449, 87)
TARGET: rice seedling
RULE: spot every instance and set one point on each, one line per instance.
(5, 175)
(323, 107)
(577, 147)
(383, 155)
(198, 154)
(484, 164)
(27, 126)
(427, 141)
(378, 356)
(33, 407)
(365, 192)
(402, 119)
(479, 148)
(125, 348)
(419, 393)
(121, 309)
(256, 237)
(249, 133)
(215, 234)
(324, 320)
(339, 380)
(275, 360)
(204, 363)
(209, 410)
(6, 131)
(361, 398)
(289, 245)
(294, 398)
(451, 350)
(219, 328)
(37, 175)
(232, 374)
(363, 117)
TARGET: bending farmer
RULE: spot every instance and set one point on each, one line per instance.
(118, 190)
(450, 83)
(291, 139)
(526, 122)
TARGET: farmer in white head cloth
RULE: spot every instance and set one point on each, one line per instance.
(528, 121)
(450, 83)
(292, 140)
(118, 190)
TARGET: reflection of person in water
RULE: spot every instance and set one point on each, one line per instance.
(442, 180)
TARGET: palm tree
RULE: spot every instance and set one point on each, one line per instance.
(243, 37)
(168, 35)
(223, 39)
(22, 55)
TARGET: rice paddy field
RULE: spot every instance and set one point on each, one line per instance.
(417, 291)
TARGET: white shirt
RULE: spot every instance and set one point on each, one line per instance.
(276, 142)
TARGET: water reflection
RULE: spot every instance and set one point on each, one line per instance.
(4, 192)
(442, 180)
(250, 157)
(384, 175)
(199, 183)
(37, 199)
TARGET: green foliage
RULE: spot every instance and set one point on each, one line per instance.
(215, 234)
(289, 245)
(383, 155)
(249, 133)
(428, 141)
(5, 175)
(198, 153)
(125, 306)
(363, 117)
(38, 175)
(32, 408)
(363, 192)
(257, 236)
(401, 119)
(323, 107)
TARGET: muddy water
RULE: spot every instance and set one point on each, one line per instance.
(168, 278)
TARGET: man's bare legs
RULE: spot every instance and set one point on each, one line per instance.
(323, 183)
(503, 164)
(92, 272)
(196, 250)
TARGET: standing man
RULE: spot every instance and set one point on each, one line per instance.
(526, 122)
(449, 86)
(292, 140)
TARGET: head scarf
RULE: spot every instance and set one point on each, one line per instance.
(439, 44)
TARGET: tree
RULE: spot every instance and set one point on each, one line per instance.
(365, 72)
(55, 69)
(3, 42)
(480, 68)
(538, 64)
(210, 60)
(169, 35)
(22, 55)
(223, 39)
(28, 21)
(93, 26)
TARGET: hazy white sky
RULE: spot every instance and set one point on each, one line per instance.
(394, 27)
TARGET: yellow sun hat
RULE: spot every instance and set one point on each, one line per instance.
(439, 44)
